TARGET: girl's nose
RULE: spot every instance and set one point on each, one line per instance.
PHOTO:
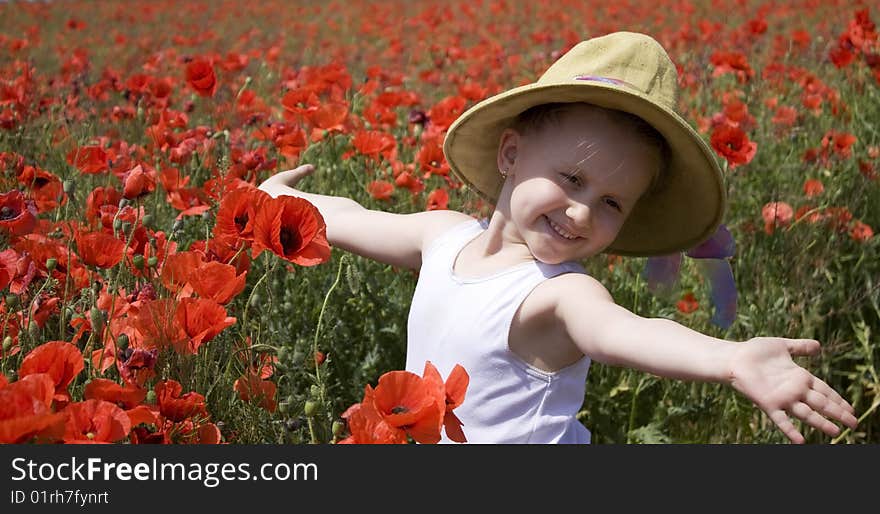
(579, 214)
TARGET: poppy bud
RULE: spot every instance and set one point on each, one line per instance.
(338, 428)
(117, 224)
(311, 408)
(151, 396)
(283, 353)
(138, 261)
(122, 341)
(11, 301)
(126, 227)
(69, 186)
(51, 262)
(7, 343)
(148, 220)
(315, 390)
(177, 226)
(96, 316)
(283, 407)
(33, 330)
(123, 202)
(152, 261)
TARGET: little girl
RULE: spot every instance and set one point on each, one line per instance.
(591, 158)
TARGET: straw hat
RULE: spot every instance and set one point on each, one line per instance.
(628, 72)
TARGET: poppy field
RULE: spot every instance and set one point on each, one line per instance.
(151, 294)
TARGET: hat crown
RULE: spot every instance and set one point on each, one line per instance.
(626, 59)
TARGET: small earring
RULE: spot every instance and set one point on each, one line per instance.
(504, 172)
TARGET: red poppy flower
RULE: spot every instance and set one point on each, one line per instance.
(329, 116)
(20, 268)
(99, 197)
(60, 360)
(18, 215)
(136, 365)
(380, 189)
(200, 76)
(45, 188)
(99, 248)
(201, 320)
(837, 217)
(375, 144)
(251, 387)
(813, 187)
(127, 397)
(438, 199)
(178, 268)
(26, 413)
(860, 232)
(299, 102)
(431, 158)
(138, 181)
(293, 229)
(866, 168)
(784, 116)
(733, 144)
(449, 396)
(291, 142)
(406, 401)
(444, 112)
(368, 426)
(217, 281)
(176, 407)
(95, 421)
(407, 180)
(687, 304)
(88, 159)
(776, 214)
(156, 326)
(840, 143)
(732, 62)
(42, 307)
(237, 212)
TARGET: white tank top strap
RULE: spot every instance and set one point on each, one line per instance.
(455, 237)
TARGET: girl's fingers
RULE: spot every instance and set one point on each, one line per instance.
(802, 346)
(814, 419)
(820, 386)
(829, 408)
(780, 418)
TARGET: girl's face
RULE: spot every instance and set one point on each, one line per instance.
(575, 182)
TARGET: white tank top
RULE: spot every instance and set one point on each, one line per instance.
(454, 320)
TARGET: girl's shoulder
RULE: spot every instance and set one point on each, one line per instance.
(440, 222)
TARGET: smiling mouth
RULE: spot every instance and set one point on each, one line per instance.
(561, 232)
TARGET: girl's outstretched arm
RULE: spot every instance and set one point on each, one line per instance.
(395, 239)
(761, 368)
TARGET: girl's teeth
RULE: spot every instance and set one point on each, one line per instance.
(560, 231)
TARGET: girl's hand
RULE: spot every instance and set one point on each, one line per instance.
(762, 369)
(290, 178)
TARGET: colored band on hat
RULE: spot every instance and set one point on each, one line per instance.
(606, 80)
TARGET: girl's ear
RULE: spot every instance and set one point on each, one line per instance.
(507, 150)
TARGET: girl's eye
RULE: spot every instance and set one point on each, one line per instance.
(612, 203)
(572, 178)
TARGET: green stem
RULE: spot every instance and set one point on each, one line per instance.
(318, 380)
(861, 418)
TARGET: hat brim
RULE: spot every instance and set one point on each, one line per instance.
(683, 213)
